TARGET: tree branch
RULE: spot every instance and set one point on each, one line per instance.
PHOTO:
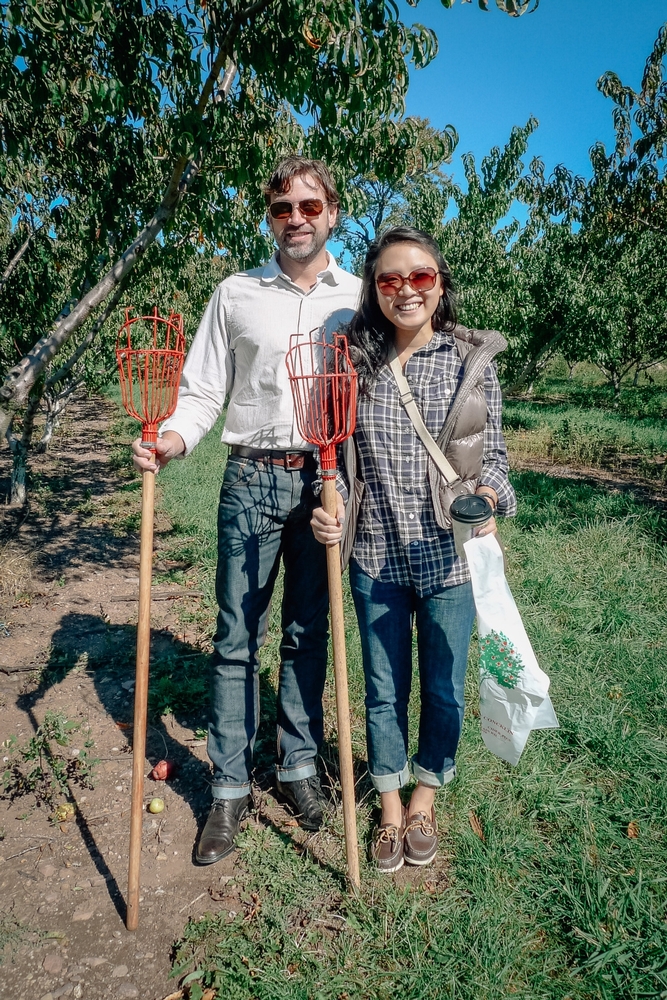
(16, 259)
(534, 365)
(22, 376)
(90, 336)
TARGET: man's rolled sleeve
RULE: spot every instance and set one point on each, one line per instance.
(495, 466)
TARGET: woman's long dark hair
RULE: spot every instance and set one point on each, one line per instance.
(370, 334)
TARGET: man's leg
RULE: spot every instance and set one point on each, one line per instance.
(303, 654)
(254, 502)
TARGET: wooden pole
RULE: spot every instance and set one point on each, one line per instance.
(342, 698)
(141, 698)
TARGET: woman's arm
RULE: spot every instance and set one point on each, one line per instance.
(494, 482)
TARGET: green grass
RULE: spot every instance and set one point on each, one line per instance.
(558, 901)
(563, 433)
(587, 388)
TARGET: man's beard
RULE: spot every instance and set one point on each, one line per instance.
(299, 251)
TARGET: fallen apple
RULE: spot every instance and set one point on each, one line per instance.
(64, 812)
(163, 770)
(155, 806)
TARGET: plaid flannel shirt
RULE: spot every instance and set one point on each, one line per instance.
(398, 539)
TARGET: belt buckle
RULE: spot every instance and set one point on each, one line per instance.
(294, 460)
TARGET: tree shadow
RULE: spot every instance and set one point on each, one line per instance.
(107, 654)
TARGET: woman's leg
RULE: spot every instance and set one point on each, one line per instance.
(444, 624)
(384, 611)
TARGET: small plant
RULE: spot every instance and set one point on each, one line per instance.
(36, 767)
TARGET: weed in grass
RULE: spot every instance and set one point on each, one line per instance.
(179, 686)
(36, 767)
(12, 934)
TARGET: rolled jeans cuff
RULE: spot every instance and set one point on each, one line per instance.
(429, 777)
(296, 773)
(390, 782)
(230, 791)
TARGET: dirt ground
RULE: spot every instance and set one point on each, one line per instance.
(67, 596)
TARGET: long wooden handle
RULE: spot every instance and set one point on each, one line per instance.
(141, 698)
(342, 698)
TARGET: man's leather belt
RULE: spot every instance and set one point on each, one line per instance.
(288, 459)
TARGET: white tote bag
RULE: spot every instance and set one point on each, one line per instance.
(513, 691)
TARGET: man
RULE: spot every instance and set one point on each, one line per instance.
(266, 498)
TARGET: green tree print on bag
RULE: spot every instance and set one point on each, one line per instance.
(499, 659)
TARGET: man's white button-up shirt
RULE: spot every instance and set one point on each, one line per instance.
(239, 352)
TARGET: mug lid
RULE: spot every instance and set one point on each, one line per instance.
(470, 508)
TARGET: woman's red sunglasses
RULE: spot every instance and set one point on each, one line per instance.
(310, 208)
(422, 279)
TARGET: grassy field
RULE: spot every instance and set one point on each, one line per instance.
(554, 880)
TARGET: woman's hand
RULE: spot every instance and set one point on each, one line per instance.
(329, 530)
(167, 447)
(490, 528)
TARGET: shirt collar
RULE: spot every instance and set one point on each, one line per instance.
(330, 274)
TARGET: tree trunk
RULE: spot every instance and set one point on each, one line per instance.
(19, 445)
(535, 367)
(54, 409)
(616, 382)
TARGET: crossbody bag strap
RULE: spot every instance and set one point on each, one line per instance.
(446, 470)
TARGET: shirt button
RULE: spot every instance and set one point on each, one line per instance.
(407, 458)
(411, 516)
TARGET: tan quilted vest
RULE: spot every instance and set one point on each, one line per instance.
(463, 433)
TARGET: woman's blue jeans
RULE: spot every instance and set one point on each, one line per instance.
(444, 622)
(264, 514)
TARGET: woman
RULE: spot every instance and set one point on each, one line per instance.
(404, 566)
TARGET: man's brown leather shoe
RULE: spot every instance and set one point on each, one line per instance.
(421, 839)
(222, 826)
(387, 847)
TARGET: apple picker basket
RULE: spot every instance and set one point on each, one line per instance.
(150, 372)
(324, 387)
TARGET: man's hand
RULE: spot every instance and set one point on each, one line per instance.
(329, 530)
(169, 446)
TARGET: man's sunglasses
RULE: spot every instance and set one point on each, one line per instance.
(422, 279)
(310, 208)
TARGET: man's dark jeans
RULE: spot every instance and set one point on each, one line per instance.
(264, 514)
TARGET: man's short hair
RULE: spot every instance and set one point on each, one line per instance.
(298, 166)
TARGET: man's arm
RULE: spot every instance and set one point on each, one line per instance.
(207, 377)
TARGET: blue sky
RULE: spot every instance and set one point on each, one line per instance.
(494, 71)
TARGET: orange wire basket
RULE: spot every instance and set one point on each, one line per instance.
(150, 375)
(324, 388)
